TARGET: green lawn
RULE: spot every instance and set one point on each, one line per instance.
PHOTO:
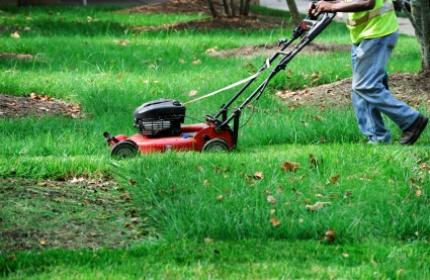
(376, 198)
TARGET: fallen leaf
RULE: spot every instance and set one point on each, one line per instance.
(258, 175)
(290, 166)
(123, 43)
(197, 61)
(192, 93)
(76, 180)
(318, 118)
(271, 199)
(317, 206)
(418, 192)
(330, 236)
(208, 240)
(211, 51)
(15, 35)
(334, 179)
(220, 197)
(43, 242)
(275, 222)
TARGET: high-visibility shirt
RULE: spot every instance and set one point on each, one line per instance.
(378, 22)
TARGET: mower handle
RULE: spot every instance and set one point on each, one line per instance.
(308, 29)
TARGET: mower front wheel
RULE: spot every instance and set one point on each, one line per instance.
(125, 149)
(216, 145)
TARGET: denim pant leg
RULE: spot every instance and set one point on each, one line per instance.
(370, 93)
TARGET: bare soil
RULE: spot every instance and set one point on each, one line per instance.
(18, 56)
(36, 105)
(175, 6)
(261, 22)
(267, 50)
(413, 89)
(76, 213)
(200, 6)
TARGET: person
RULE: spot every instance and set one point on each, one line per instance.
(374, 32)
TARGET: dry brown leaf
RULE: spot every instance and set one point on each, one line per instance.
(208, 240)
(418, 193)
(275, 222)
(15, 35)
(211, 51)
(317, 206)
(330, 236)
(290, 166)
(192, 93)
(123, 43)
(271, 199)
(334, 179)
(24, 56)
(258, 175)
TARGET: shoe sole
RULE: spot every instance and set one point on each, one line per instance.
(421, 129)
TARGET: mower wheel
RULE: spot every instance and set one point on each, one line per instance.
(216, 145)
(125, 149)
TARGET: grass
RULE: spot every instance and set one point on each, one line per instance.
(229, 260)
(378, 195)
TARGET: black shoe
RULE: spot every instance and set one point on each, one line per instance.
(411, 135)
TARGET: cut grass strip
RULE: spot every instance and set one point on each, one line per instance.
(251, 259)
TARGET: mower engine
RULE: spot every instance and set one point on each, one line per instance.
(162, 117)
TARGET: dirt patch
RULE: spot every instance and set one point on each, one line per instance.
(36, 105)
(77, 213)
(267, 50)
(175, 6)
(218, 23)
(18, 56)
(413, 89)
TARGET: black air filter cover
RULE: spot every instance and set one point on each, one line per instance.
(161, 109)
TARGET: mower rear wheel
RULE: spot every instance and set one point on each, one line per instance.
(216, 145)
(125, 149)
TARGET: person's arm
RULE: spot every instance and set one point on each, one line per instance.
(339, 6)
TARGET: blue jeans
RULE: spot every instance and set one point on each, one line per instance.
(370, 93)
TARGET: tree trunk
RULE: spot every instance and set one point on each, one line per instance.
(22, 3)
(226, 7)
(212, 8)
(295, 15)
(232, 8)
(246, 8)
(420, 19)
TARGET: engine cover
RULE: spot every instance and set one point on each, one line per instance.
(162, 117)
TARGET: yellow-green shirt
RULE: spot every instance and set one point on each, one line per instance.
(376, 27)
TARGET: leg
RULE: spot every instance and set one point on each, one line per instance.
(368, 116)
(368, 80)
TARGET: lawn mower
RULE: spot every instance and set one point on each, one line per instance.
(160, 122)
